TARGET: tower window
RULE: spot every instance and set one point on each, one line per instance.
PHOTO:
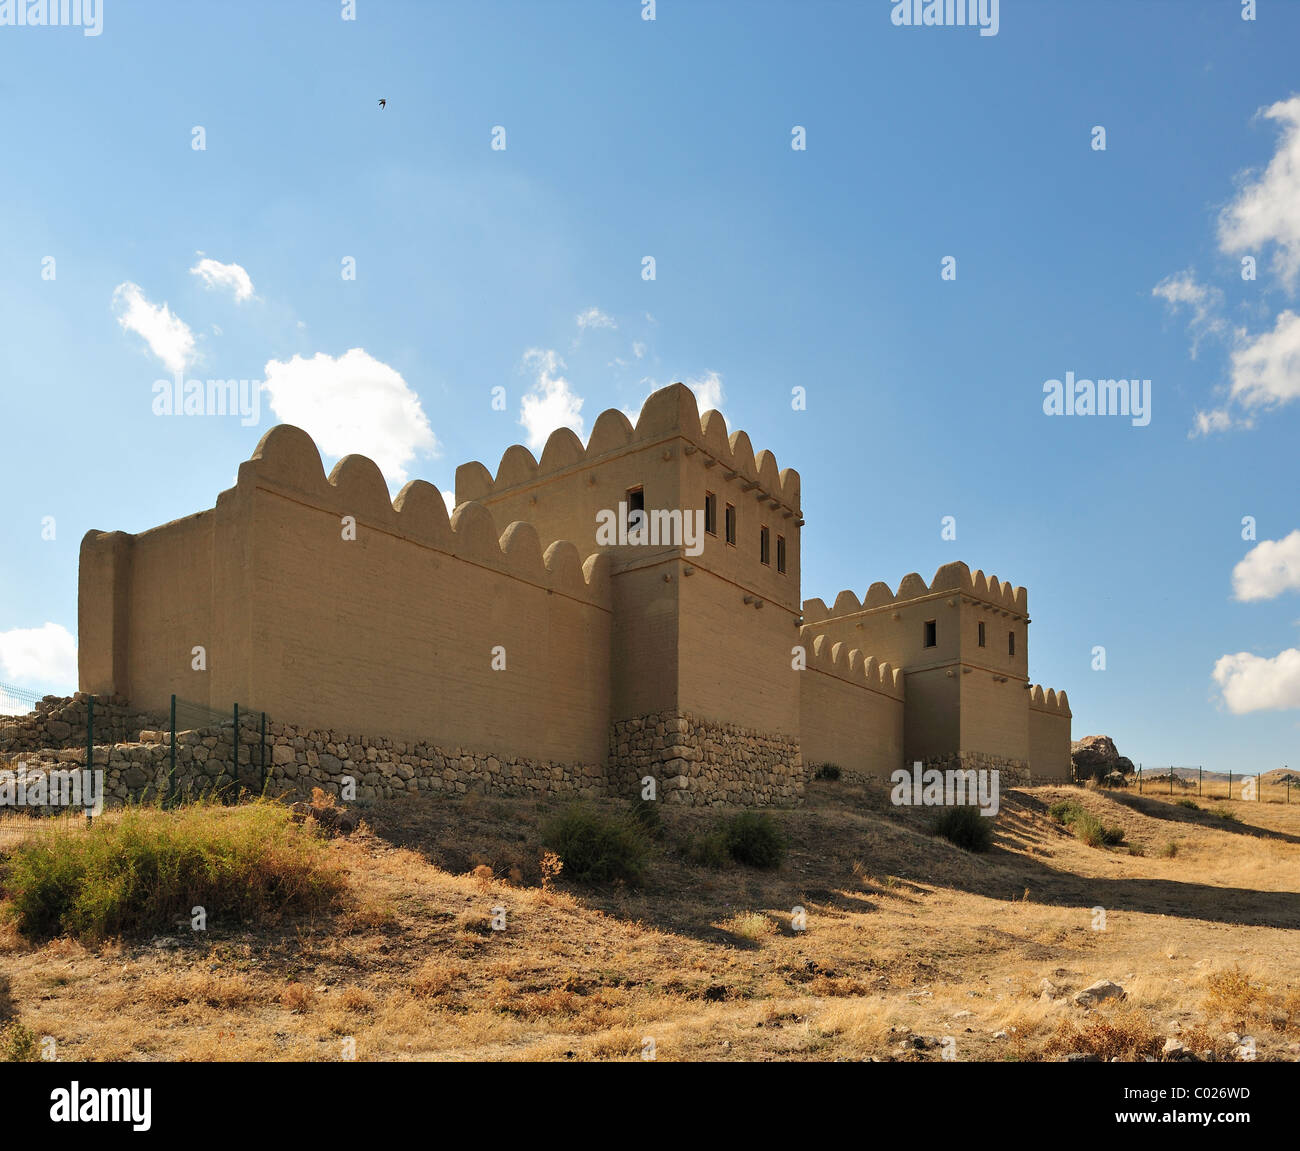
(1011, 643)
(711, 513)
(731, 524)
(635, 500)
(931, 630)
(780, 554)
(764, 546)
(981, 633)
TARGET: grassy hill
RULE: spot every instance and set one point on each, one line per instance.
(912, 948)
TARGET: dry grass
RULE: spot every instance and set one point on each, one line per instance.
(907, 940)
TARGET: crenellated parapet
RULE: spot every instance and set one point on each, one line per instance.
(849, 664)
(671, 412)
(1051, 702)
(950, 578)
(287, 461)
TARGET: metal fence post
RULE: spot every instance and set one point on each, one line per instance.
(234, 767)
(1229, 784)
(1200, 777)
(1139, 779)
(90, 748)
(171, 776)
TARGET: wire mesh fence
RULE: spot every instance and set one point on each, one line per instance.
(16, 701)
(1186, 782)
(242, 727)
(59, 789)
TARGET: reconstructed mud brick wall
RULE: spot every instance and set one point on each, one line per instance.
(1049, 735)
(967, 701)
(851, 710)
(509, 647)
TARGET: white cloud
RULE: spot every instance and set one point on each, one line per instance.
(1215, 420)
(708, 391)
(1267, 207)
(552, 403)
(44, 657)
(1182, 290)
(594, 318)
(1266, 370)
(449, 498)
(1270, 568)
(707, 388)
(1255, 683)
(168, 336)
(230, 276)
(352, 404)
(638, 349)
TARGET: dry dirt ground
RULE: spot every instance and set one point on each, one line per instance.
(913, 949)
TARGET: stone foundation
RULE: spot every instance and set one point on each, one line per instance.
(298, 760)
(60, 722)
(700, 762)
(1011, 772)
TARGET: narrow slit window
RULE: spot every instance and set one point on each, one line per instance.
(780, 554)
(931, 632)
(731, 524)
(1011, 643)
(764, 545)
(711, 513)
(981, 633)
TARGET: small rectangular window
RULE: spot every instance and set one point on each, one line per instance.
(780, 554)
(931, 628)
(635, 500)
(731, 524)
(764, 546)
(711, 513)
(981, 633)
(1011, 643)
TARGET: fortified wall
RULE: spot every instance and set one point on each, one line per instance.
(321, 602)
(518, 645)
(963, 642)
(702, 692)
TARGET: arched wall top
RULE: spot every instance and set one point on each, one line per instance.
(287, 459)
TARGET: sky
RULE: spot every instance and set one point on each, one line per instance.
(569, 205)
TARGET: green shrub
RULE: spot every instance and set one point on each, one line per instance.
(17, 1044)
(1169, 850)
(141, 871)
(710, 849)
(1190, 804)
(1065, 811)
(964, 826)
(827, 771)
(646, 812)
(596, 847)
(751, 838)
(1093, 832)
(1224, 814)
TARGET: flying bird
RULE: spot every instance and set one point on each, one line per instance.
(383, 103)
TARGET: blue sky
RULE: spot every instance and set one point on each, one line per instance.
(522, 268)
